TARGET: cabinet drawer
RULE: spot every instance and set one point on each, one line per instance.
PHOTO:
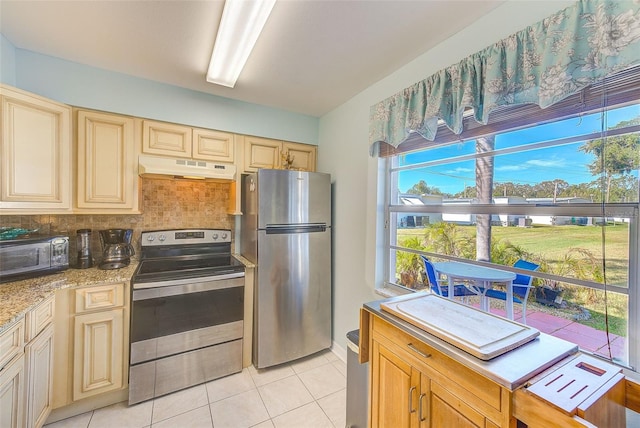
(11, 342)
(38, 318)
(99, 297)
(479, 391)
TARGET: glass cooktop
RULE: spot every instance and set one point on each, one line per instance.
(161, 269)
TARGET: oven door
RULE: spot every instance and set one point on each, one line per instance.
(182, 315)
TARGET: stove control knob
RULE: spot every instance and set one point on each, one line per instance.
(224, 235)
(215, 236)
(162, 238)
(151, 238)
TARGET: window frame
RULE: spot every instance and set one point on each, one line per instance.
(390, 168)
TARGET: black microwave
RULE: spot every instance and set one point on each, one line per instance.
(30, 257)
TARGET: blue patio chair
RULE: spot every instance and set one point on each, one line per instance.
(521, 287)
(459, 290)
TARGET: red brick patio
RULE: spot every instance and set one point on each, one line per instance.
(587, 338)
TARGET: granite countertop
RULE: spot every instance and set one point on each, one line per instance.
(511, 370)
(18, 297)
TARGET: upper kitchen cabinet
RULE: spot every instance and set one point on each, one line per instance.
(35, 152)
(261, 153)
(108, 147)
(213, 146)
(266, 153)
(166, 139)
(303, 156)
(169, 139)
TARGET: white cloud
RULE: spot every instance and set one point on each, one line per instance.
(459, 170)
(512, 168)
(547, 163)
(534, 163)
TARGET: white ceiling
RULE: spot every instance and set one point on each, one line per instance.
(311, 57)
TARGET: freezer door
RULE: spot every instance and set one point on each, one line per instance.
(286, 197)
(292, 296)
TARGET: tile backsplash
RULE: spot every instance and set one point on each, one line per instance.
(166, 204)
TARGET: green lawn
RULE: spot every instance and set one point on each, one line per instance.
(554, 241)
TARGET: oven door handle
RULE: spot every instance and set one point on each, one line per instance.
(151, 283)
(194, 286)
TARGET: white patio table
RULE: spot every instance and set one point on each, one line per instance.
(482, 276)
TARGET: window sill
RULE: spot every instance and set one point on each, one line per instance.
(389, 290)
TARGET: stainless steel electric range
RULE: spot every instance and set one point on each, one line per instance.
(187, 311)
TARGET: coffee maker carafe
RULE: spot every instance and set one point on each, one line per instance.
(116, 248)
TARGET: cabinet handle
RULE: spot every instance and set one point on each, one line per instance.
(422, 419)
(411, 409)
(417, 351)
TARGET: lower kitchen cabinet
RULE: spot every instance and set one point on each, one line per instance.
(26, 370)
(97, 353)
(39, 374)
(415, 385)
(12, 393)
(92, 342)
(395, 385)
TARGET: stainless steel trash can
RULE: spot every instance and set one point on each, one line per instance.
(357, 384)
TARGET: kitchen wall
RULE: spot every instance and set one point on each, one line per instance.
(83, 86)
(344, 153)
(166, 204)
(341, 135)
(7, 62)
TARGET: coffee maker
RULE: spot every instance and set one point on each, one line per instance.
(116, 248)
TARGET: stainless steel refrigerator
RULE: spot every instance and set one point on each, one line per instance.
(286, 232)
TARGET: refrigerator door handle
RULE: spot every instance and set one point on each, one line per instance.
(272, 229)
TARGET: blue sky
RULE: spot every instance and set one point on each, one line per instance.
(562, 162)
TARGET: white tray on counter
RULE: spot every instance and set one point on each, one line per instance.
(479, 333)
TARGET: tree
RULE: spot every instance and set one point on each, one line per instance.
(614, 156)
(422, 188)
(484, 189)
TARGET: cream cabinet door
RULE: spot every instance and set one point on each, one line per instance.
(98, 353)
(35, 153)
(39, 377)
(261, 153)
(303, 155)
(167, 139)
(212, 145)
(12, 394)
(107, 162)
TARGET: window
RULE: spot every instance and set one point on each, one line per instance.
(560, 189)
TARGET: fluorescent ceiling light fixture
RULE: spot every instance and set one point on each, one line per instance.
(241, 24)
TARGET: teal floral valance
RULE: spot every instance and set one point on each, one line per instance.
(542, 64)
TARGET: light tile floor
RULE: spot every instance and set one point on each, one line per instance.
(310, 392)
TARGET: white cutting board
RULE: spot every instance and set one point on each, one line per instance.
(479, 333)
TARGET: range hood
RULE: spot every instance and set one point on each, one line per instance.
(154, 166)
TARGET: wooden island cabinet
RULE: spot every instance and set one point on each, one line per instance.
(418, 379)
(415, 385)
